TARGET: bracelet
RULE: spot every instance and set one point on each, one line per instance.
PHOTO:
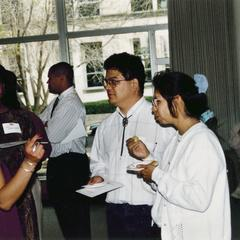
(27, 170)
(30, 163)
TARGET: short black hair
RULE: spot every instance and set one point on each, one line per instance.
(9, 81)
(129, 65)
(170, 84)
(63, 68)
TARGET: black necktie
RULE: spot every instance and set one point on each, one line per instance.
(124, 123)
(54, 105)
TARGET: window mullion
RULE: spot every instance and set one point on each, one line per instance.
(62, 30)
(153, 50)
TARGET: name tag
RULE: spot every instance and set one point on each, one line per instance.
(11, 128)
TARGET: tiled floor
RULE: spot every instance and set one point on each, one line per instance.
(51, 229)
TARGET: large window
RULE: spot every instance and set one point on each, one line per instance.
(27, 17)
(36, 34)
(30, 62)
(103, 14)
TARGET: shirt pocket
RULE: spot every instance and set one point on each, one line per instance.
(151, 146)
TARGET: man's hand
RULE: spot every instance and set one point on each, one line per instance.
(146, 173)
(95, 179)
(137, 148)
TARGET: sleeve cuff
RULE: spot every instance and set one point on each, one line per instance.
(149, 157)
(157, 174)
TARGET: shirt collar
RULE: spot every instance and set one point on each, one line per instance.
(66, 92)
(133, 108)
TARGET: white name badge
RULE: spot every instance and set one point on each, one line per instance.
(11, 128)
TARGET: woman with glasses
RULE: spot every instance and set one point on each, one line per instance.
(192, 196)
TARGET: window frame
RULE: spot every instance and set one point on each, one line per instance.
(63, 36)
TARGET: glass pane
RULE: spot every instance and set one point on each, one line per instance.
(30, 62)
(100, 14)
(162, 43)
(88, 55)
(95, 79)
(20, 18)
(162, 4)
(163, 67)
(141, 5)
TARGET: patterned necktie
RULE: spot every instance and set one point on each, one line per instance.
(54, 106)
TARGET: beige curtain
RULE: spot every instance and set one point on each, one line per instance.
(201, 41)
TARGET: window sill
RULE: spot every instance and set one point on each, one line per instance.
(93, 89)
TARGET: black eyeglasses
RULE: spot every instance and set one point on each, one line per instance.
(112, 82)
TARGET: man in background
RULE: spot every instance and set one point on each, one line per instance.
(68, 165)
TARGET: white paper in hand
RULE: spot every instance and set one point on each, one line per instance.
(96, 185)
(95, 191)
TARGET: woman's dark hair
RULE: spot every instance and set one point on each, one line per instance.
(129, 65)
(170, 84)
(9, 81)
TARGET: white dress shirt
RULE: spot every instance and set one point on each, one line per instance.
(192, 188)
(67, 114)
(107, 162)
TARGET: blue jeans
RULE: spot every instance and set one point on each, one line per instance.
(130, 222)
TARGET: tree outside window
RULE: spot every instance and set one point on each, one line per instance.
(141, 5)
(29, 61)
(93, 58)
(82, 8)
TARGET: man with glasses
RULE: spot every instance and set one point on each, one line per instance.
(129, 207)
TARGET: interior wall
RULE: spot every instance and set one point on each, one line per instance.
(202, 38)
(236, 31)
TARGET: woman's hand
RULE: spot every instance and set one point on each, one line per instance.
(137, 148)
(12, 190)
(33, 150)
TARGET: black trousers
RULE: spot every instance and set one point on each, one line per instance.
(65, 174)
(131, 222)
